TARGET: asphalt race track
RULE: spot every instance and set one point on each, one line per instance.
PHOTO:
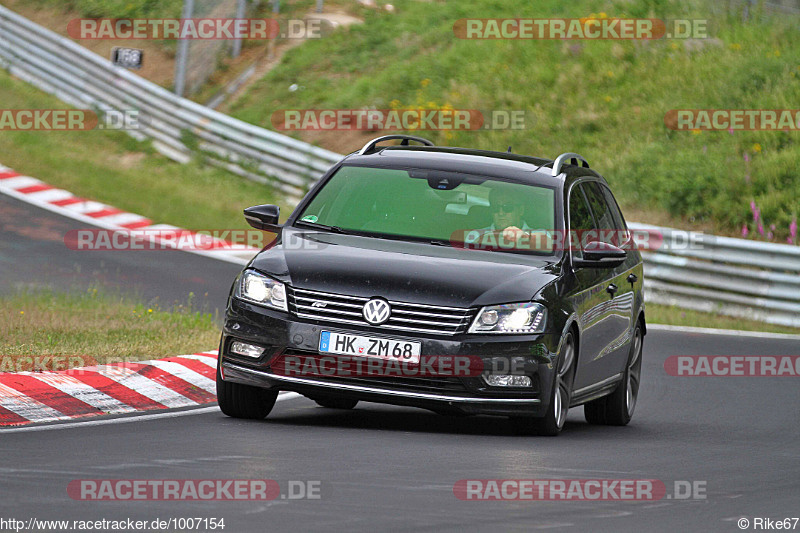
(33, 254)
(387, 468)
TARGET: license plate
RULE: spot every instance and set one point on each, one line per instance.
(363, 346)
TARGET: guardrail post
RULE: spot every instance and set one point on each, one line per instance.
(183, 52)
(240, 12)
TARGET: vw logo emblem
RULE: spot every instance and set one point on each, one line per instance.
(376, 311)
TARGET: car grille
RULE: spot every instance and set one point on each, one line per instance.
(405, 316)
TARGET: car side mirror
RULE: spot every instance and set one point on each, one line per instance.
(264, 217)
(597, 254)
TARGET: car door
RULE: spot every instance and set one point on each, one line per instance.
(587, 294)
(614, 293)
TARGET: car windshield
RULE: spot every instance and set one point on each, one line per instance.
(439, 207)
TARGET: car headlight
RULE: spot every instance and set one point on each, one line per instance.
(518, 318)
(263, 290)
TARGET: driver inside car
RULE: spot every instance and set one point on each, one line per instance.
(509, 225)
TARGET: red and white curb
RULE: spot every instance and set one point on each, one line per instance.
(39, 193)
(120, 388)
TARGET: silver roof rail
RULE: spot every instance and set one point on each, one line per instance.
(559, 162)
(370, 146)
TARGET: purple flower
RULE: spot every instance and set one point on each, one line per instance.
(760, 228)
(772, 227)
(793, 228)
(744, 230)
(769, 235)
(755, 210)
(747, 157)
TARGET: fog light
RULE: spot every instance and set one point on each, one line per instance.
(505, 380)
(247, 350)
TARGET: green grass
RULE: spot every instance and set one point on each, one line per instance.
(118, 8)
(604, 99)
(90, 326)
(112, 167)
(676, 316)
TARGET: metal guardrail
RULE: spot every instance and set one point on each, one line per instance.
(735, 277)
(180, 128)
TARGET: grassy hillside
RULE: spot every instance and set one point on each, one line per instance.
(604, 99)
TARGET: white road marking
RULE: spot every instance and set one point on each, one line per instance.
(51, 195)
(145, 386)
(26, 407)
(83, 392)
(207, 359)
(186, 374)
(714, 331)
(21, 182)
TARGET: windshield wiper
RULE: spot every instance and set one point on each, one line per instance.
(324, 227)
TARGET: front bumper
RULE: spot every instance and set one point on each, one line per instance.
(282, 334)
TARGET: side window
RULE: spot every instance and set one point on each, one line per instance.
(580, 220)
(606, 224)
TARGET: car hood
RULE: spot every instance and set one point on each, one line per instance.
(403, 271)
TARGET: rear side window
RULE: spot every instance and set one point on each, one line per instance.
(618, 218)
(608, 222)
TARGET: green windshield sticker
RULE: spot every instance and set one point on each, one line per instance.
(310, 218)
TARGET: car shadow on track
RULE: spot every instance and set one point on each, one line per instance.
(378, 417)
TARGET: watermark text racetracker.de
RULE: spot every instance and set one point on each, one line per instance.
(43, 363)
(193, 489)
(177, 239)
(733, 119)
(733, 365)
(71, 120)
(587, 28)
(409, 119)
(195, 28)
(578, 490)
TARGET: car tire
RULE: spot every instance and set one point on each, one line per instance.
(552, 423)
(335, 403)
(617, 408)
(244, 401)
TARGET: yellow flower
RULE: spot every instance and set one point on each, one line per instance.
(735, 46)
(757, 147)
(432, 105)
(448, 135)
(610, 74)
(776, 53)
(149, 310)
(696, 132)
(395, 104)
(425, 82)
(607, 98)
(603, 15)
(674, 46)
(22, 312)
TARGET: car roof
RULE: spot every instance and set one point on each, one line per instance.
(522, 168)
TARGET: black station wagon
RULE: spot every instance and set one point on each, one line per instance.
(456, 280)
